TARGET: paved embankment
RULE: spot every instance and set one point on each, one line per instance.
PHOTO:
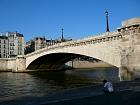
(126, 93)
(120, 98)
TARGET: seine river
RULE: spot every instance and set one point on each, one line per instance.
(18, 84)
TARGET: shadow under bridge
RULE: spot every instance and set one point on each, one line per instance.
(54, 61)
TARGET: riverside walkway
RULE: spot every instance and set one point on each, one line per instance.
(126, 93)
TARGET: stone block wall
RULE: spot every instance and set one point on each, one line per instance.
(130, 54)
(7, 64)
(20, 64)
(13, 64)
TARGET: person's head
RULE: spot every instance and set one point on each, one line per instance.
(104, 81)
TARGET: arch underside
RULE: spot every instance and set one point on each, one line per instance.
(56, 61)
(53, 58)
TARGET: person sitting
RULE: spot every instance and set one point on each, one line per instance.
(108, 87)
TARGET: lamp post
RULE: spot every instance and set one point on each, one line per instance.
(62, 37)
(107, 25)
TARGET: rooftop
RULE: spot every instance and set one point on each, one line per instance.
(3, 37)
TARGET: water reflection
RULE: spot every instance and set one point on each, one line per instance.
(16, 84)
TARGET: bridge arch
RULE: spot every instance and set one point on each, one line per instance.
(102, 51)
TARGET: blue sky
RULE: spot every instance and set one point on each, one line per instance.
(79, 18)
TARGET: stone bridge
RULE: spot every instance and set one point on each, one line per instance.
(103, 47)
(120, 48)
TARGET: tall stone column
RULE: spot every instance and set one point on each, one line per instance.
(20, 64)
(125, 74)
(130, 52)
(127, 59)
(126, 69)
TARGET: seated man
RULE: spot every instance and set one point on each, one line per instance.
(108, 87)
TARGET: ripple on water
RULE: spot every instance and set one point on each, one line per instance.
(18, 84)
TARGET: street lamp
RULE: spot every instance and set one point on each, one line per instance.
(107, 25)
(62, 37)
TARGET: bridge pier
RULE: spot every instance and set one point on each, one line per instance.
(125, 74)
(130, 49)
(20, 64)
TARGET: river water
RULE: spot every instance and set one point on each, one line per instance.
(18, 84)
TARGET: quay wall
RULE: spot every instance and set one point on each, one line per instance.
(7, 64)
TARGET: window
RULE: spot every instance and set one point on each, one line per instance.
(12, 48)
(19, 48)
(11, 44)
(19, 53)
(11, 52)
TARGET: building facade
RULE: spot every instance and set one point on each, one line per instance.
(11, 44)
(35, 44)
(38, 43)
(41, 42)
(29, 46)
(4, 47)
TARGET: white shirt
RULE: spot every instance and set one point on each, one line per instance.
(109, 86)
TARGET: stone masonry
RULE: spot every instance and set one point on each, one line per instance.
(130, 49)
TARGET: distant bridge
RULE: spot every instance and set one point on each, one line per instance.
(120, 48)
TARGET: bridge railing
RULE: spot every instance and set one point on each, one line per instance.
(108, 36)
